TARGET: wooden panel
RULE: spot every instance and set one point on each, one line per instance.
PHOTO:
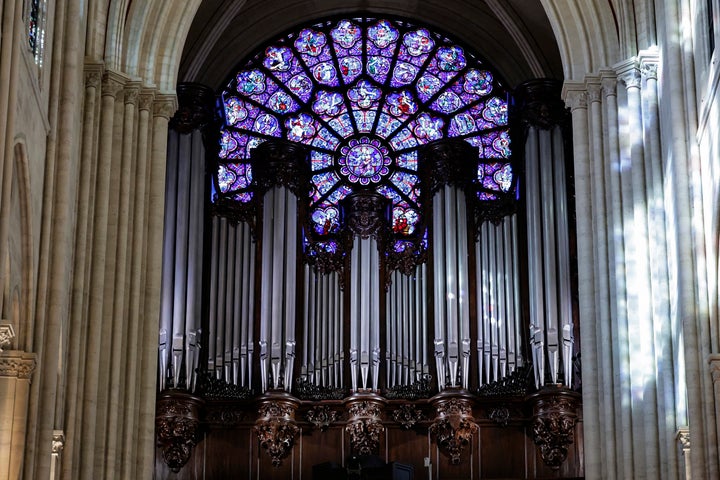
(499, 454)
(467, 469)
(320, 447)
(409, 447)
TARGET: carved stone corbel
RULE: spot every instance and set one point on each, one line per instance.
(275, 426)
(454, 425)
(553, 424)
(364, 424)
(177, 426)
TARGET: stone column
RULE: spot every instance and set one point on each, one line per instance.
(16, 369)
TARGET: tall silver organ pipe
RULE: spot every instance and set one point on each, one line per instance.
(232, 308)
(498, 310)
(278, 286)
(406, 328)
(550, 296)
(179, 336)
(322, 342)
(452, 314)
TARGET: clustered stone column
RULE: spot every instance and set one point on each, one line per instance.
(16, 369)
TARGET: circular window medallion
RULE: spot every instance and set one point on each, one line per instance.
(364, 160)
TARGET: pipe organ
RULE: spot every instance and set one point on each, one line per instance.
(441, 334)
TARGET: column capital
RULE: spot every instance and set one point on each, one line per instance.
(628, 72)
(113, 83)
(94, 74)
(14, 363)
(58, 442)
(594, 89)
(165, 105)
(146, 99)
(575, 95)
(649, 61)
(608, 83)
(132, 93)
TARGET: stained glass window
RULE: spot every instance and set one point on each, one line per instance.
(35, 14)
(364, 94)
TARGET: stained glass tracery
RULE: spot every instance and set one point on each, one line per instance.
(364, 95)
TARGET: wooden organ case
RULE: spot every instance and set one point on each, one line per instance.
(453, 357)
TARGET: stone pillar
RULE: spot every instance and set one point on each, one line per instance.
(16, 369)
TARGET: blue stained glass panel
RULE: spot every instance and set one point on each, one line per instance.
(320, 160)
(406, 182)
(404, 220)
(350, 68)
(346, 34)
(323, 182)
(387, 125)
(408, 160)
(364, 120)
(404, 139)
(326, 220)
(383, 34)
(343, 125)
(234, 176)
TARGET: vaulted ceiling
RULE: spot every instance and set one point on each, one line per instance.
(514, 36)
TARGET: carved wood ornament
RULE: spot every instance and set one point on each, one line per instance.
(177, 426)
(364, 425)
(553, 425)
(276, 428)
(453, 427)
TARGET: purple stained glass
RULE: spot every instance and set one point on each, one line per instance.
(300, 128)
(404, 220)
(405, 182)
(235, 110)
(404, 139)
(408, 160)
(383, 33)
(267, 124)
(401, 104)
(346, 34)
(378, 67)
(364, 120)
(323, 183)
(281, 102)
(325, 139)
(301, 86)
(251, 82)
(451, 59)
(342, 125)
(320, 160)
(234, 176)
(478, 82)
(328, 104)
(447, 102)
(350, 68)
(418, 42)
(427, 86)
(364, 160)
(403, 74)
(363, 94)
(428, 128)
(496, 111)
(326, 220)
(310, 42)
(387, 125)
(325, 73)
(278, 59)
